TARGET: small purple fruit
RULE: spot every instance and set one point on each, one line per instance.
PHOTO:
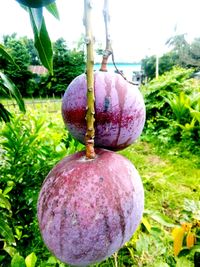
(88, 209)
(119, 110)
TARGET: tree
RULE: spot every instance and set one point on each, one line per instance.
(188, 55)
(20, 54)
(34, 57)
(166, 62)
(8, 88)
(67, 65)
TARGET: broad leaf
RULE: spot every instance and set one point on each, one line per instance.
(31, 260)
(146, 224)
(11, 87)
(52, 8)
(195, 114)
(160, 218)
(4, 202)
(6, 55)
(4, 114)
(37, 14)
(42, 41)
(6, 231)
(10, 250)
(18, 261)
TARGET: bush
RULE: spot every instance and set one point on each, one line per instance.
(173, 109)
(30, 147)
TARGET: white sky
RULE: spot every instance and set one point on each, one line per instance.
(137, 28)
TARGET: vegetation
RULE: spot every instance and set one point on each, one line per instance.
(182, 54)
(173, 110)
(67, 65)
(166, 156)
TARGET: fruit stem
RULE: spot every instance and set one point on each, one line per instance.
(108, 50)
(90, 109)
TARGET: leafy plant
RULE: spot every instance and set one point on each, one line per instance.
(8, 89)
(30, 146)
(172, 104)
(186, 236)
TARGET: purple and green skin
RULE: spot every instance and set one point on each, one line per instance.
(119, 110)
(88, 209)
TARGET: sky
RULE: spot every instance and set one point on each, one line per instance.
(137, 28)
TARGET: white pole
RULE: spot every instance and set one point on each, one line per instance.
(157, 66)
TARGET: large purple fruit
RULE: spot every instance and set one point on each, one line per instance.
(119, 107)
(88, 209)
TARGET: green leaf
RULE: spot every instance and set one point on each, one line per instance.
(37, 14)
(52, 8)
(195, 114)
(161, 264)
(6, 231)
(42, 42)
(31, 260)
(6, 55)
(4, 114)
(11, 87)
(146, 224)
(10, 250)
(7, 189)
(162, 219)
(183, 261)
(5, 202)
(18, 261)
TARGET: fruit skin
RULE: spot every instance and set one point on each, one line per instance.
(119, 110)
(88, 209)
(35, 3)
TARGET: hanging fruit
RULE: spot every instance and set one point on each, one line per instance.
(119, 110)
(91, 202)
(88, 209)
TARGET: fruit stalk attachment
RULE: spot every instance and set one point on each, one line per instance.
(90, 110)
(108, 50)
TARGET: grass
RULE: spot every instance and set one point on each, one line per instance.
(168, 177)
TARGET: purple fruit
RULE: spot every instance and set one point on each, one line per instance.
(88, 209)
(119, 107)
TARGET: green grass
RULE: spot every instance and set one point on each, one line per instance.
(168, 178)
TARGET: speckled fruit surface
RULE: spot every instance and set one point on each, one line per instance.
(119, 110)
(88, 209)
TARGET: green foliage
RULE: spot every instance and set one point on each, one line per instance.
(41, 37)
(166, 63)
(156, 91)
(182, 54)
(180, 105)
(172, 104)
(19, 52)
(31, 144)
(67, 65)
(30, 147)
(187, 55)
(8, 88)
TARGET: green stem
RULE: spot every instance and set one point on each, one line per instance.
(90, 109)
